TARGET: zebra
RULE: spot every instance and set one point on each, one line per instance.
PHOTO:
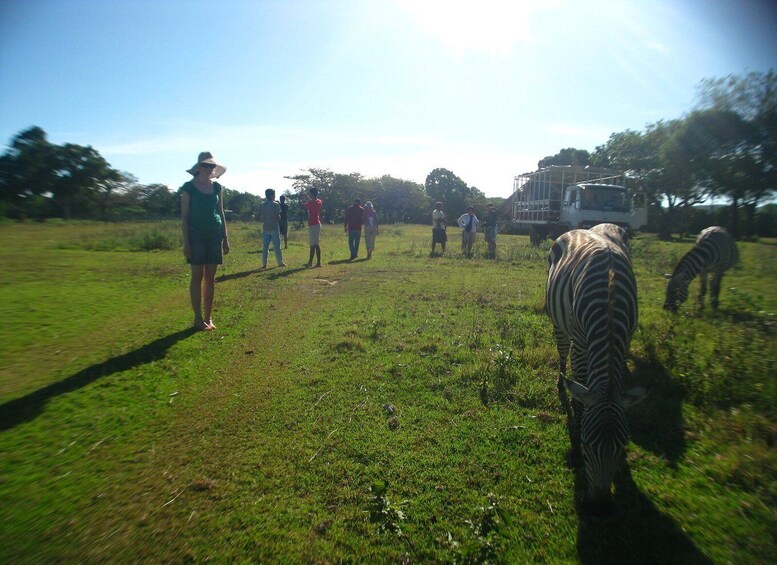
(591, 298)
(715, 252)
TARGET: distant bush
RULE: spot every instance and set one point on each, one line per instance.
(138, 236)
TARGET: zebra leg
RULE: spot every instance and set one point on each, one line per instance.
(717, 278)
(562, 344)
(702, 289)
(579, 368)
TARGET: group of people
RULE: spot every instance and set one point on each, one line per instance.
(356, 217)
(206, 241)
(469, 223)
(205, 238)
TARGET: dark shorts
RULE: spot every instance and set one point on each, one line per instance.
(206, 248)
(439, 235)
(491, 233)
(284, 227)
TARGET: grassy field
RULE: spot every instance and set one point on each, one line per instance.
(401, 409)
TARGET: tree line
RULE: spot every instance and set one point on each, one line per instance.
(725, 148)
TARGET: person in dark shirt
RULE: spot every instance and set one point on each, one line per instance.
(490, 229)
(354, 215)
(284, 222)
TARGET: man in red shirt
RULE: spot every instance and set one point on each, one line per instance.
(354, 215)
(313, 205)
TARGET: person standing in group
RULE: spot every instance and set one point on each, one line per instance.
(313, 205)
(439, 234)
(284, 222)
(370, 221)
(205, 240)
(469, 222)
(269, 213)
(490, 229)
(354, 215)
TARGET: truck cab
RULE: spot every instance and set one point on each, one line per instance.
(588, 204)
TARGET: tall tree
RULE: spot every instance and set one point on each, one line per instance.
(568, 156)
(27, 168)
(80, 170)
(444, 186)
(748, 175)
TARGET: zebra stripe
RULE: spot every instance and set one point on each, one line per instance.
(591, 298)
(715, 252)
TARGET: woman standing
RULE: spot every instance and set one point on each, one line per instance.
(438, 227)
(370, 220)
(204, 234)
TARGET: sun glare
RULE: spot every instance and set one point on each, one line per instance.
(490, 26)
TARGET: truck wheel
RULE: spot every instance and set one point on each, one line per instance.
(537, 236)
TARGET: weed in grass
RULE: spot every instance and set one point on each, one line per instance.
(382, 512)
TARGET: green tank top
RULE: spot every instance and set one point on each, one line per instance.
(203, 208)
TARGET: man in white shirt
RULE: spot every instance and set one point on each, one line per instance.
(469, 222)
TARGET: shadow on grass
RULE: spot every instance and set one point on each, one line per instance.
(340, 262)
(233, 276)
(279, 274)
(637, 532)
(26, 408)
(657, 423)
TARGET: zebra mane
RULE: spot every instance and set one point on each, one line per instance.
(610, 391)
(689, 265)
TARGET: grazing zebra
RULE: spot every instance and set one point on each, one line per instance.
(591, 297)
(715, 252)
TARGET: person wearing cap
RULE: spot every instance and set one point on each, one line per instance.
(490, 230)
(469, 222)
(205, 239)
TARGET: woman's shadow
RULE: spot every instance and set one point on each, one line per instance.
(26, 408)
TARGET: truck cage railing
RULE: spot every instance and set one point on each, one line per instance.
(538, 195)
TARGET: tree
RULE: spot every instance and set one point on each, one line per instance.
(79, 170)
(336, 190)
(397, 200)
(748, 175)
(27, 168)
(244, 204)
(568, 156)
(443, 186)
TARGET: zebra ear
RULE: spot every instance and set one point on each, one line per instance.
(633, 396)
(578, 392)
(668, 276)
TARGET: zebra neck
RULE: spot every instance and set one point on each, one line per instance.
(690, 265)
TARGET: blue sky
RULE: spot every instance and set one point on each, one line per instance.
(400, 87)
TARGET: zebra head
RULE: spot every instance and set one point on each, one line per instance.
(676, 291)
(604, 432)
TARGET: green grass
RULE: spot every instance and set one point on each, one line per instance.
(401, 409)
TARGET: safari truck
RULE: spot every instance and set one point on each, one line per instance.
(556, 199)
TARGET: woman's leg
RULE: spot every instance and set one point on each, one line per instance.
(195, 294)
(209, 288)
